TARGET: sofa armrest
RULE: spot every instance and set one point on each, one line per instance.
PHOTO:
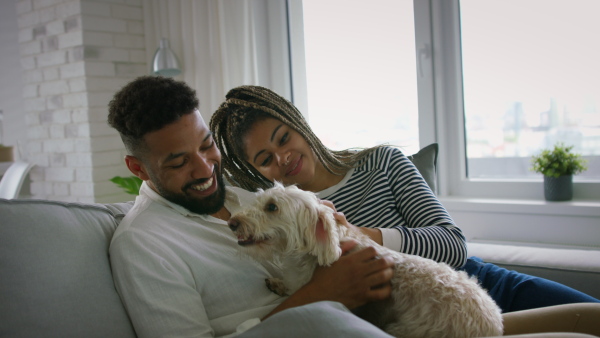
(56, 278)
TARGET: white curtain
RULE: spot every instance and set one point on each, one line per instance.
(222, 44)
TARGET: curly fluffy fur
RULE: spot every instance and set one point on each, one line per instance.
(429, 299)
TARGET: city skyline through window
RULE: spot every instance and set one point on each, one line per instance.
(531, 79)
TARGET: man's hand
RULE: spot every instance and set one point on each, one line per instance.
(356, 278)
(353, 280)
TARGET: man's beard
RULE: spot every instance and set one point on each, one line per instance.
(203, 206)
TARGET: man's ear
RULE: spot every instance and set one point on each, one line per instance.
(136, 167)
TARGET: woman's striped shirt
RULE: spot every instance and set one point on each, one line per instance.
(386, 191)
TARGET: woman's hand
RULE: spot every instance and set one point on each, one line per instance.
(373, 233)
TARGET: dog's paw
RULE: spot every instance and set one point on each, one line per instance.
(276, 286)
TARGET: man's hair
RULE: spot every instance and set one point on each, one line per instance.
(246, 105)
(147, 104)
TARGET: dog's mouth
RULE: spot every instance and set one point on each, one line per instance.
(250, 240)
(245, 241)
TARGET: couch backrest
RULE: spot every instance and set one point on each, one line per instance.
(55, 277)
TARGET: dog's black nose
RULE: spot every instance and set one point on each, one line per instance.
(233, 224)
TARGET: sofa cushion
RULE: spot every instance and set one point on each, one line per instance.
(577, 268)
(426, 161)
(56, 278)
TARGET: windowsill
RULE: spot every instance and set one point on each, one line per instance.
(585, 208)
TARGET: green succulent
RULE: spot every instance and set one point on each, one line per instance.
(130, 184)
(558, 162)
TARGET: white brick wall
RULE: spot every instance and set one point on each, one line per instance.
(54, 58)
(51, 74)
(53, 88)
(72, 70)
(103, 24)
(59, 174)
(75, 55)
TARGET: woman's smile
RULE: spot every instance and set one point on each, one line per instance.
(294, 168)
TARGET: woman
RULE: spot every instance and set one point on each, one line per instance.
(263, 138)
(249, 112)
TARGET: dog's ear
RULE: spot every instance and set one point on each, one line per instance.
(327, 246)
(320, 232)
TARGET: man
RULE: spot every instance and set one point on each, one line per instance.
(174, 259)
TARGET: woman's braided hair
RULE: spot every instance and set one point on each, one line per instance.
(246, 105)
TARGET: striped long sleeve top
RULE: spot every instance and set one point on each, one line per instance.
(387, 191)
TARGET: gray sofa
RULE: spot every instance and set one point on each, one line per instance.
(55, 277)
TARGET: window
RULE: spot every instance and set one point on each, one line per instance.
(453, 117)
(360, 72)
(462, 93)
(531, 79)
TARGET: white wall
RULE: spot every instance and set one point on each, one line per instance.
(11, 81)
(73, 55)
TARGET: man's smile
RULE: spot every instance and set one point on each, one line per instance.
(203, 187)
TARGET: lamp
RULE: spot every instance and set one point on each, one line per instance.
(165, 62)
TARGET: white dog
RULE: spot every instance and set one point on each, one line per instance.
(429, 299)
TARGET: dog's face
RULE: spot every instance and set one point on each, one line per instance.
(286, 220)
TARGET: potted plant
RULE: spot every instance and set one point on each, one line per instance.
(130, 184)
(558, 167)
